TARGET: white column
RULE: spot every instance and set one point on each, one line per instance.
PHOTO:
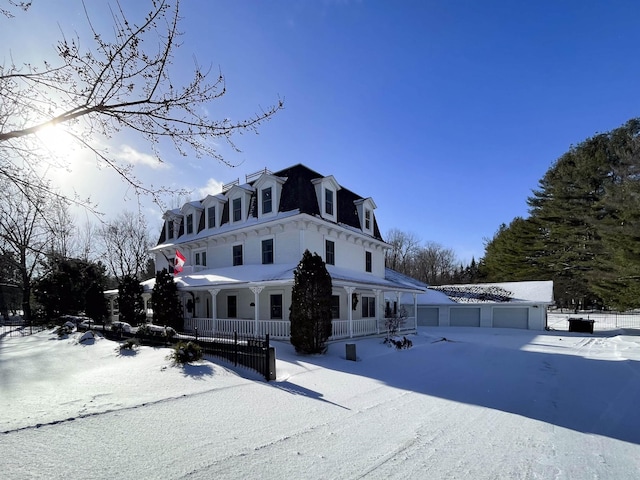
(256, 309)
(350, 291)
(378, 292)
(214, 305)
(415, 311)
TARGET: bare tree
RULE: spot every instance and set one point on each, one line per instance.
(126, 244)
(403, 246)
(434, 264)
(25, 231)
(123, 83)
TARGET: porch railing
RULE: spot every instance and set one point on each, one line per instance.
(281, 329)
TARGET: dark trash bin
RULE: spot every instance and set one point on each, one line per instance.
(581, 325)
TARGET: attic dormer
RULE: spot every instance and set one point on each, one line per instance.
(268, 192)
(213, 206)
(239, 197)
(365, 208)
(327, 195)
(172, 221)
(191, 212)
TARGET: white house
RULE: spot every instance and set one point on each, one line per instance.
(504, 305)
(242, 245)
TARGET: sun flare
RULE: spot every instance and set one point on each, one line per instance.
(56, 140)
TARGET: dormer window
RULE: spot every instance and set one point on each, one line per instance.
(170, 229)
(327, 194)
(328, 201)
(237, 209)
(267, 200)
(189, 223)
(365, 207)
(268, 190)
(211, 217)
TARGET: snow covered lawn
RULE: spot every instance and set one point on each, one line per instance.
(462, 403)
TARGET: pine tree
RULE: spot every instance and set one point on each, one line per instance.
(130, 301)
(167, 308)
(310, 311)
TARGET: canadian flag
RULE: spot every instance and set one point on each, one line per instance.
(178, 263)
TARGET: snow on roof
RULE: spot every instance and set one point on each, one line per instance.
(504, 292)
(276, 273)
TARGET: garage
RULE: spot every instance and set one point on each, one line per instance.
(511, 317)
(464, 317)
(428, 316)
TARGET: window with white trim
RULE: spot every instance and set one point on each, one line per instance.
(368, 262)
(211, 217)
(328, 201)
(201, 258)
(237, 255)
(267, 251)
(368, 307)
(330, 252)
(170, 229)
(267, 200)
(237, 209)
(367, 219)
(190, 223)
(335, 306)
(276, 306)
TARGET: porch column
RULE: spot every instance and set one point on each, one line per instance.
(256, 309)
(398, 294)
(350, 291)
(415, 311)
(378, 292)
(214, 306)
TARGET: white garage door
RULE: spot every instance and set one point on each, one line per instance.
(464, 317)
(427, 316)
(511, 317)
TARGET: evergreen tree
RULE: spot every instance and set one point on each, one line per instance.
(72, 286)
(310, 311)
(130, 301)
(167, 308)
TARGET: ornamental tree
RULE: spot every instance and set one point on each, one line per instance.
(310, 311)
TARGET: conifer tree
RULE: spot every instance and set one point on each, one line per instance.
(130, 301)
(167, 308)
(310, 311)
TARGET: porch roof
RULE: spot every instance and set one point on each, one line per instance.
(249, 275)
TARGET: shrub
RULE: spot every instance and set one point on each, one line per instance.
(185, 352)
(129, 345)
(403, 344)
(64, 330)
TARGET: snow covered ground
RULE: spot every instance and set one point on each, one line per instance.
(462, 403)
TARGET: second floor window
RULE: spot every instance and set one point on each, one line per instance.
(267, 251)
(237, 209)
(330, 256)
(211, 217)
(237, 255)
(367, 219)
(367, 262)
(190, 223)
(201, 259)
(267, 205)
(170, 229)
(328, 201)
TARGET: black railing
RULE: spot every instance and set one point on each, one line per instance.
(249, 351)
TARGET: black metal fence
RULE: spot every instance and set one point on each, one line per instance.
(248, 351)
(21, 330)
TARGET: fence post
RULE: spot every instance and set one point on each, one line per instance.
(235, 348)
(196, 329)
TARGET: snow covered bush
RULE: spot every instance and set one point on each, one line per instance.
(129, 345)
(64, 330)
(186, 352)
(151, 330)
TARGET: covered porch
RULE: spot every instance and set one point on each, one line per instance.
(255, 300)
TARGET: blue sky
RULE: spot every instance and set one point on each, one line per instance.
(446, 112)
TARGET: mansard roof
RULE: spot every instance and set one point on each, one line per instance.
(298, 193)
